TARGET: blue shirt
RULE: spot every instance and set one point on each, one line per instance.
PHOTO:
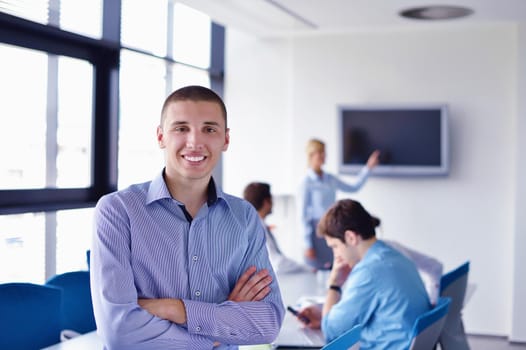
(145, 247)
(385, 294)
(319, 193)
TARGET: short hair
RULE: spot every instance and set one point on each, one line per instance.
(193, 93)
(256, 193)
(314, 145)
(347, 214)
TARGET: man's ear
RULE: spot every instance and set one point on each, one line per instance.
(160, 137)
(227, 139)
(351, 238)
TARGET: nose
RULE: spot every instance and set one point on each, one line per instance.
(193, 140)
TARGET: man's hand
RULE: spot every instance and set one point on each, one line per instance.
(310, 254)
(340, 271)
(251, 286)
(168, 309)
(311, 313)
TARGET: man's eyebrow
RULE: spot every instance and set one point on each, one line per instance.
(178, 122)
(184, 122)
(212, 123)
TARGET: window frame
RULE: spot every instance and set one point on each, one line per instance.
(104, 55)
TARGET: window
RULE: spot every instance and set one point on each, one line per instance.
(143, 88)
(146, 79)
(75, 85)
(65, 94)
(145, 30)
(191, 49)
(49, 142)
(78, 16)
(82, 17)
(23, 127)
(73, 232)
(22, 248)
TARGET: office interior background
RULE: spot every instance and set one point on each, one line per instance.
(81, 121)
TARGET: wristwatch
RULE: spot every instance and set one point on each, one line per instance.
(336, 288)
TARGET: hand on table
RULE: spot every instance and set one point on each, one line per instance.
(311, 313)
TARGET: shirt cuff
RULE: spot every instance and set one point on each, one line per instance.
(199, 327)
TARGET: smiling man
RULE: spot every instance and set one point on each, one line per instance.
(177, 263)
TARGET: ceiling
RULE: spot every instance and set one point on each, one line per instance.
(267, 18)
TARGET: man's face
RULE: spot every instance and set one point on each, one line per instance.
(344, 252)
(193, 137)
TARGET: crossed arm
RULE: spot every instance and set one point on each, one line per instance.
(253, 285)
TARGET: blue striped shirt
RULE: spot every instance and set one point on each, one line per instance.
(145, 247)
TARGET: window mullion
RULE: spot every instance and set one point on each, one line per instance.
(169, 47)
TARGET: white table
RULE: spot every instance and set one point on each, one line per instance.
(292, 286)
(88, 341)
(298, 285)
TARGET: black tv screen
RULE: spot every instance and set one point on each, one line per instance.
(412, 140)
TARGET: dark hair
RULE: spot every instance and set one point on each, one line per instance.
(347, 214)
(376, 221)
(256, 193)
(193, 93)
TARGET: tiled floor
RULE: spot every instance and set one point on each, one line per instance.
(483, 342)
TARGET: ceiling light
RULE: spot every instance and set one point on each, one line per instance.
(436, 12)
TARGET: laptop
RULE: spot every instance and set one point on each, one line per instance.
(294, 336)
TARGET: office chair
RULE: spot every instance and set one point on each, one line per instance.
(349, 340)
(453, 285)
(77, 309)
(29, 316)
(427, 327)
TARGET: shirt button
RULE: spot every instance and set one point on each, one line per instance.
(198, 329)
(194, 258)
(197, 293)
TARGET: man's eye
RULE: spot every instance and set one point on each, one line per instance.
(210, 130)
(180, 129)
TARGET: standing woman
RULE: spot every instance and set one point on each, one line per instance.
(318, 193)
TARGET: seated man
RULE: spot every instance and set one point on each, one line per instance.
(430, 269)
(371, 283)
(258, 194)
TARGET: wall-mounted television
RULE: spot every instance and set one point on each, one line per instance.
(413, 140)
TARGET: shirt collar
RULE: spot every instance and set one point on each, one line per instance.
(158, 190)
(313, 176)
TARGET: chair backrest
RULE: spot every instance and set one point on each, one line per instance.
(453, 285)
(77, 307)
(349, 340)
(29, 316)
(428, 326)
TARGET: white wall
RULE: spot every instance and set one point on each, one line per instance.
(257, 95)
(280, 93)
(518, 331)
